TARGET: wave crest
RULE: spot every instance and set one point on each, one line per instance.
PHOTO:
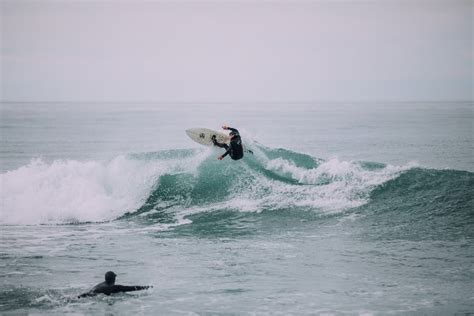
(68, 191)
(169, 185)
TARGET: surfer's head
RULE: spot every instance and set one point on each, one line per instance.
(110, 278)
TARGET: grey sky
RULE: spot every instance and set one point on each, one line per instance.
(236, 51)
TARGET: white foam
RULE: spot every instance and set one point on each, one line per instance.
(333, 186)
(65, 191)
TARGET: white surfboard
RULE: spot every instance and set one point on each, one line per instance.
(203, 136)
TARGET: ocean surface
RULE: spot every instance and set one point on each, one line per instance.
(344, 208)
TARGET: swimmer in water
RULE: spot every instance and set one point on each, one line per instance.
(109, 287)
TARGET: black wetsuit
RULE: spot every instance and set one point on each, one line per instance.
(234, 149)
(107, 289)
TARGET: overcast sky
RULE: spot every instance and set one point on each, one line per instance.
(236, 50)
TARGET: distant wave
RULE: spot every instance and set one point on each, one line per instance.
(424, 204)
(168, 186)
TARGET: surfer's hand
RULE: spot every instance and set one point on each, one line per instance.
(220, 157)
(224, 127)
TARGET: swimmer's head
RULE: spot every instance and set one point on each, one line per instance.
(110, 278)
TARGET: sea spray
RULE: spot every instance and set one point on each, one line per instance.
(168, 185)
(65, 191)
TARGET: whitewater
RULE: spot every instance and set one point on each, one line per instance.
(72, 191)
(342, 208)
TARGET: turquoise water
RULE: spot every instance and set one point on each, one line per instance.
(343, 208)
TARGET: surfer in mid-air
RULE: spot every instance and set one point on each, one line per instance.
(109, 287)
(234, 149)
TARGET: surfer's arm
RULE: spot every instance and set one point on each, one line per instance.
(225, 154)
(216, 143)
(232, 129)
(126, 288)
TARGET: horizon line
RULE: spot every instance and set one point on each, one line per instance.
(240, 102)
